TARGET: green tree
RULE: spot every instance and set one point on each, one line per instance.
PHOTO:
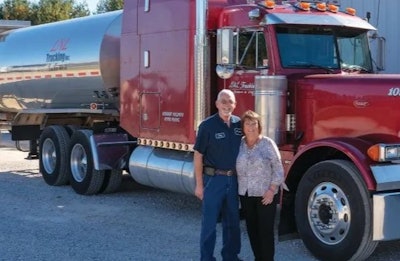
(109, 5)
(46, 11)
(80, 9)
(15, 10)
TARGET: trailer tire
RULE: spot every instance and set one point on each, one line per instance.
(334, 212)
(53, 155)
(112, 181)
(84, 179)
(71, 129)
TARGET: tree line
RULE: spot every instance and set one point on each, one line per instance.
(46, 11)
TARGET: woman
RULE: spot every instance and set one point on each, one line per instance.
(260, 174)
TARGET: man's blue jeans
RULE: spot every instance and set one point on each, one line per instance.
(220, 198)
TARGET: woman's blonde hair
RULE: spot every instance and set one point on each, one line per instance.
(252, 116)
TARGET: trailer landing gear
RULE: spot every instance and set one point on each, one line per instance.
(33, 150)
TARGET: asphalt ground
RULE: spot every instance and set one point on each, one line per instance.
(41, 222)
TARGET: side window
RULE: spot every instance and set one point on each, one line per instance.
(250, 49)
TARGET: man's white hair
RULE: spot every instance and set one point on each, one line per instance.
(228, 92)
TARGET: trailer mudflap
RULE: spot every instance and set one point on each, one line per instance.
(25, 132)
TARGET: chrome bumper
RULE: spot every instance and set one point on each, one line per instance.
(386, 205)
(387, 176)
(386, 216)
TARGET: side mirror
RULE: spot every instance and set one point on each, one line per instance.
(225, 53)
(378, 50)
(224, 71)
(381, 53)
(224, 46)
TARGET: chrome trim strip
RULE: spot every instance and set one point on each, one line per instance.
(200, 64)
(147, 5)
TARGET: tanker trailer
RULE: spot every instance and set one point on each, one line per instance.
(57, 78)
(67, 95)
(69, 66)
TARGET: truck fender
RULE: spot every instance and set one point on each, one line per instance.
(352, 149)
(108, 154)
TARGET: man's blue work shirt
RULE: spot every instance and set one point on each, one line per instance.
(218, 143)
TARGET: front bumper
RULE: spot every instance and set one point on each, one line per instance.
(387, 204)
(386, 216)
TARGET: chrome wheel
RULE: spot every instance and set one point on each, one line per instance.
(84, 178)
(49, 156)
(53, 155)
(329, 213)
(79, 163)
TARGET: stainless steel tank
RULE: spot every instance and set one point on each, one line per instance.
(163, 168)
(270, 102)
(61, 65)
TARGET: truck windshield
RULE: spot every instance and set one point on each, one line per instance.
(324, 47)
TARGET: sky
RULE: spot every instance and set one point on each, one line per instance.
(92, 4)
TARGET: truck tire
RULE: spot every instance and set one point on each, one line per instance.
(53, 155)
(84, 179)
(333, 212)
(112, 181)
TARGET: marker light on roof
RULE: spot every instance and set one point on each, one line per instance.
(333, 8)
(269, 4)
(304, 6)
(350, 11)
(321, 7)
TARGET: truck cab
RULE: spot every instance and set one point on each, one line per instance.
(306, 67)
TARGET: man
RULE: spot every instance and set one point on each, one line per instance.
(216, 149)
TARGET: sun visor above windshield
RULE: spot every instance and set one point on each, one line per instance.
(318, 19)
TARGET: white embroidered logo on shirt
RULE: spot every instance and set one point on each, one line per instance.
(220, 135)
(238, 131)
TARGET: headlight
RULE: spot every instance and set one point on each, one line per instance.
(384, 152)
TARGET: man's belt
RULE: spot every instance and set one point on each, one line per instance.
(212, 171)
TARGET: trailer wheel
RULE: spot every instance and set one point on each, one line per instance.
(112, 181)
(334, 212)
(71, 129)
(53, 155)
(84, 178)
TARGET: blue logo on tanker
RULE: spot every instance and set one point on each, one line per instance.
(57, 57)
(57, 51)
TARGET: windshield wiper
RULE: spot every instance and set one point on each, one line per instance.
(246, 67)
(354, 68)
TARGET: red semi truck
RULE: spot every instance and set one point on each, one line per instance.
(126, 90)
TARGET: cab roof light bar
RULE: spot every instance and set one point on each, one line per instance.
(306, 5)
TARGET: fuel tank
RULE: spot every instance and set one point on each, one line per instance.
(72, 64)
(163, 168)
